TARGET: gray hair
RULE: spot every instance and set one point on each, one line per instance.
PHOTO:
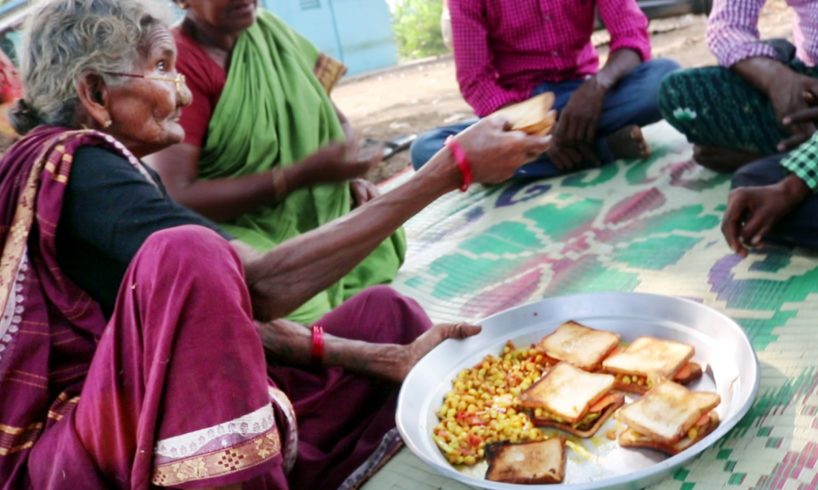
(64, 40)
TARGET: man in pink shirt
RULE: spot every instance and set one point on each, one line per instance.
(756, 115)
(741, 110)
(506, 51)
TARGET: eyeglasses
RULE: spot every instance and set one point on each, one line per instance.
(178, 79)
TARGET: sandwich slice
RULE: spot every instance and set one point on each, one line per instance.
(570, 399)
(648, 360)
(528, 462)
(669, 418)
(582, 346)
(532, 116)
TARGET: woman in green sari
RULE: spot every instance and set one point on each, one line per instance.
(267, 154)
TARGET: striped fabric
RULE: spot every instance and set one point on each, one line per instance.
(505, 48)
(803, 162)
(733, 36)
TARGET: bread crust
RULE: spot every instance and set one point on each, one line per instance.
(564, 342)
(541, 128)
(695, 374)
(533, 116)
(498, 471)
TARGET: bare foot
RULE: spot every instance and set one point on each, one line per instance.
(628, 142)
(724, 160)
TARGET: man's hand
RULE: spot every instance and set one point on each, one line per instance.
(791, 96)
(494, 152)
(753, 211)
(363, 191)
(805, 116)
(576, 127)
(578, 119)
(412, 353)
(789, 93)
(339, 162)
(569, 158)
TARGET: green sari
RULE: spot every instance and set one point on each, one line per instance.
(274, 111)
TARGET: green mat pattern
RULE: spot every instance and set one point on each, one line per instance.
(650, 227)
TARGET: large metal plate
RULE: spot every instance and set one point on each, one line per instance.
(722, 348)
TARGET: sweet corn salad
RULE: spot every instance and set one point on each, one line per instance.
(479, 409)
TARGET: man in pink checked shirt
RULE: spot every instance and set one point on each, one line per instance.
(741, 110)
(506, 51)
(747, 114)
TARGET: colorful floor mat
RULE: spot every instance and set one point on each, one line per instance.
(650, 227)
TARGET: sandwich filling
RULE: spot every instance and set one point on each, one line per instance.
(595, 411)
(687, 373)
(703, 426)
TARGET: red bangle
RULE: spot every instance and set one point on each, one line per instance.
(317, 349)
(461, 161)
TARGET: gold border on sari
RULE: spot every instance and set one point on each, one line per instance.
(219, 463)
(15, 243)
(16, 439)
(16, 238)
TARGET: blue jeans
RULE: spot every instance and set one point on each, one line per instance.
(632, 101)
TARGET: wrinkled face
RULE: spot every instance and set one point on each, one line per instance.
(145, 112)
(228, 16)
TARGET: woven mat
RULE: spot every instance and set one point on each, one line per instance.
(632, 226)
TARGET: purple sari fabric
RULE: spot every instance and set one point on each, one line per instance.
(346, 423)
(48, 326)
(172, 392)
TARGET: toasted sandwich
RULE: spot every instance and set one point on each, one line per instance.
(570, 399)
(648, 360)
(528, 462)
(532, 116)
(669, 418)
(582, 346)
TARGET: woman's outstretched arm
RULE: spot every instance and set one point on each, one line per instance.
(299, 268)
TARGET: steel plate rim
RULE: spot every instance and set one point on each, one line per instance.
(655, 470)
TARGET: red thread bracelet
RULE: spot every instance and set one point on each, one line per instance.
(461, 161)
(317, 349)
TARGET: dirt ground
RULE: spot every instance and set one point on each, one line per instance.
(414, 97)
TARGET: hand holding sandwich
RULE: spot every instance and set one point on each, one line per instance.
(494, 150)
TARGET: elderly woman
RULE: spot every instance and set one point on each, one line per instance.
(132, 348)
(263, 153)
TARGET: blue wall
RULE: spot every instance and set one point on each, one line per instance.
(357, 32)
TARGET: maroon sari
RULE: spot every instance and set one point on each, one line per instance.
(173, 391)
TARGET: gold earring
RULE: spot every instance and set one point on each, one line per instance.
(107, 124)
